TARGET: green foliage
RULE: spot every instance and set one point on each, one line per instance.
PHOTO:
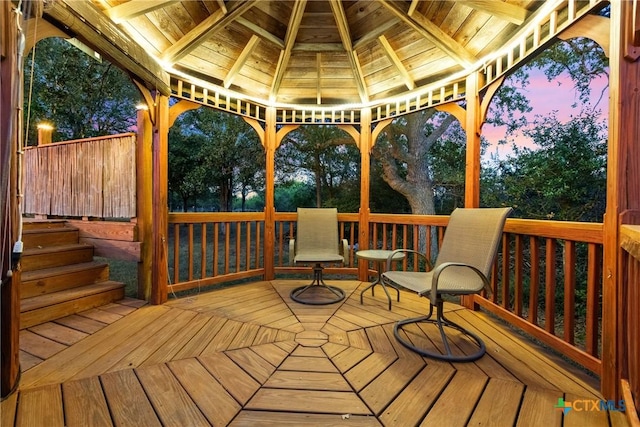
(564, 178)
(293, 194)
(322, 156)
(78, 95)
(212, 153)
(187, 171)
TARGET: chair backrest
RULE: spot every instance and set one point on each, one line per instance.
(318, 230)
(472, 237)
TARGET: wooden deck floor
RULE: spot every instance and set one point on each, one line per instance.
(248, 355)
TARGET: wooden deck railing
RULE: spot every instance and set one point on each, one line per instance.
(213, 248)
(546, 279)
(630, 243)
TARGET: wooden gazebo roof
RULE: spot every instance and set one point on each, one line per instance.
(245, 55)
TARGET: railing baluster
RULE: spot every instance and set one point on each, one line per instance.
(176, 253)
(247, 246)
(258, 245)
(549, 286)
(534, 284)
(203, 251)
(384, 236)
(227, 245)
(281, 243)
(416, 244)
(594, 275)
(190, 252)
(505, 271)
(494, 282)
(216, 247)
(518, 275)
(238, 241)
(569, 291)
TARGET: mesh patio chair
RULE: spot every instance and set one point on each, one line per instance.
(462, 267)
(317, 243)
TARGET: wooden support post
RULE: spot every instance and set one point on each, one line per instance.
(365, 144)
(623, 187)
(144, 201)
(270, 143)
(10, 290)
(472, 126)
(160, 215)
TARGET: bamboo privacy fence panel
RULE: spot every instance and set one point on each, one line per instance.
(83, 178)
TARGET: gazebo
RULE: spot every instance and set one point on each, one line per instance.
(355, 64)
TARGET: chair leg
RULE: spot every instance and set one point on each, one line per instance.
(317, 283)
(441, 322)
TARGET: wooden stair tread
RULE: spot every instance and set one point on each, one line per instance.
(60, 271)
(59, 248)
(34, 303)
(33, 230)
(42, 224)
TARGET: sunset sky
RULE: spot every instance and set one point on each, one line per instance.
(545, 98)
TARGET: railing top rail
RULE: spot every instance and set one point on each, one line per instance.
(410, 219)
(590, 232)
(566, 230)
(78, 141)
(292, 216)
(198, 217)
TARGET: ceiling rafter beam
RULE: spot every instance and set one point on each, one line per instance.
(345, 36)
(433, 33)
(412, 8)
(206, 28)
(261, 32)
(395, 60)
(508, 12)
(242, 59)
(222, 6)
(289, 41)
(375, 33)
(135, 8)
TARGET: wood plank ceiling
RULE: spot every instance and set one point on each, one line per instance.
(319, 52)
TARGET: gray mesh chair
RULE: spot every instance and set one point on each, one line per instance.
(462, 267)
(317, 243)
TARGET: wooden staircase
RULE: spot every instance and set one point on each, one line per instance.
(59, 274)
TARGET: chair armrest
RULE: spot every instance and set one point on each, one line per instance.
(292, 251)
(433, 296)
(406, 251)
(345, 251)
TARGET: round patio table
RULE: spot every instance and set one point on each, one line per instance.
(379, 257)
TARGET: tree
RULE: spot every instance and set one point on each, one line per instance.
(187, 173)
(564, 177)
(324, 154)
(403, 148)
(215, 153)
(81, 97)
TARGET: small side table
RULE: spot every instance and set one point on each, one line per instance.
(379, 257)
